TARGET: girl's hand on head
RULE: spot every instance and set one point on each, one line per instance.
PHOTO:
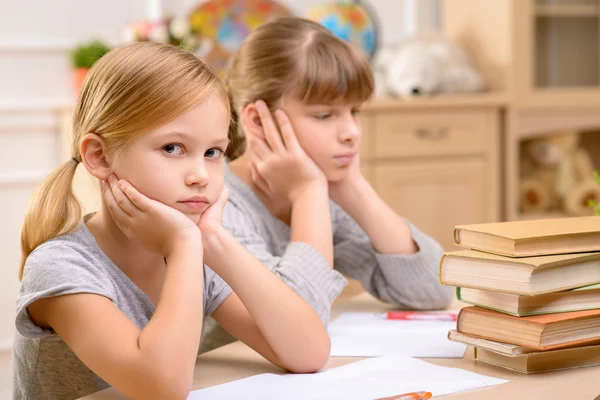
(151, 223)
(280, 166)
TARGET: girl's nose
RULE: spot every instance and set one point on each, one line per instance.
(197, 175)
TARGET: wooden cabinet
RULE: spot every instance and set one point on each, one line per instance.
(429, 133)
(436, 195)
(435, 161)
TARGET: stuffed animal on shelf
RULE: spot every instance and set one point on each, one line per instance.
(425, 64)
(557, 174)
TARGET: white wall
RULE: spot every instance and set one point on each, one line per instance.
(35, 81)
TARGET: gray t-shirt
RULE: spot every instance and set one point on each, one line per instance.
(44, 367)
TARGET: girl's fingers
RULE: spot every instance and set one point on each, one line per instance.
(215, 211)
(223, 197)
(287, 131)
(121, 198)
(259, 147)
(138, 200)
(222, 200)
(118, 214)
(271, 132)
(258, 179)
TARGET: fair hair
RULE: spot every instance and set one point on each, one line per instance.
(297, 56)
(130, 90)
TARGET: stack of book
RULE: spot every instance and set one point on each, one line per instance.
(534, 287)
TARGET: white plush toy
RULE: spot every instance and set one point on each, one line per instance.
(425, 64)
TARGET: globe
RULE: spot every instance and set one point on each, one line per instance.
(221, 26)
(351, 21)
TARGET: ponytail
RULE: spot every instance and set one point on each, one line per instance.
(53, 211)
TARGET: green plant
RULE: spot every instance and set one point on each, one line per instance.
(86, 54)
(592, 203)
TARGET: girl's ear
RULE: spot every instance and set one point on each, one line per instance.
(251, 121)
(94, 156)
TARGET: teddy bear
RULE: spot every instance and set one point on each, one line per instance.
(557, 174)
(425, 64)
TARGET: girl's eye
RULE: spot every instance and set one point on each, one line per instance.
(173, 149)
(322, 116)
(355, 111)
(214, 153)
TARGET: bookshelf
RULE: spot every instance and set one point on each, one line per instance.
(544, 56)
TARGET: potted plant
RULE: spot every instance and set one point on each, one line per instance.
(83, 57)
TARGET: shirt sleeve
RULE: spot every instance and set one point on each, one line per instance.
(300, 266)
(54, 269)
(409, 281)
(216, 290)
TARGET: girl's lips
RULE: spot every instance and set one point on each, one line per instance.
(196, 205)
(345, 159)
(196, 202)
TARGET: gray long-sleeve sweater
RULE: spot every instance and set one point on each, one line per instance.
(411, 282)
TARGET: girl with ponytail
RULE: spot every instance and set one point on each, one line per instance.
(118, 297)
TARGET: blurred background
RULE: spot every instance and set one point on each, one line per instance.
(486, 110)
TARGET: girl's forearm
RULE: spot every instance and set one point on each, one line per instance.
(172, 336)
(311, 222)
(289, 325)
(389, 233)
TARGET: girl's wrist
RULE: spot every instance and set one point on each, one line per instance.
(191, 243)
(348, 190)
(212, 232)
(217, 245)
(312, 189)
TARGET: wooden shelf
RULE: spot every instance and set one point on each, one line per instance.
(546, 215)
(567, 10)
(478, 100)
(535, 123)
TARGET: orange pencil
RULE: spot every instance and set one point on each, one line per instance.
(409, 396)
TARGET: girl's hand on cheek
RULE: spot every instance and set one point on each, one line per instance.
(281, 168)
(339, 189)
(211, 227)
(154, 225)
(211, 218)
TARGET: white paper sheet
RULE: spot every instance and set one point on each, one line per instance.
(371, 335)
(362, 380)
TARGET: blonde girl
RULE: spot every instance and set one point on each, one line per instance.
(118, 297)
(298, 200)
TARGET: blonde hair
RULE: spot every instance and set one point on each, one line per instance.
(298, 56)
(130, 90)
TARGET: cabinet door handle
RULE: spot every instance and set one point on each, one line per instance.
(432, 133)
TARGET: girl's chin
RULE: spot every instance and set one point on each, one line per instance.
(336, 176)
(195, 218)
